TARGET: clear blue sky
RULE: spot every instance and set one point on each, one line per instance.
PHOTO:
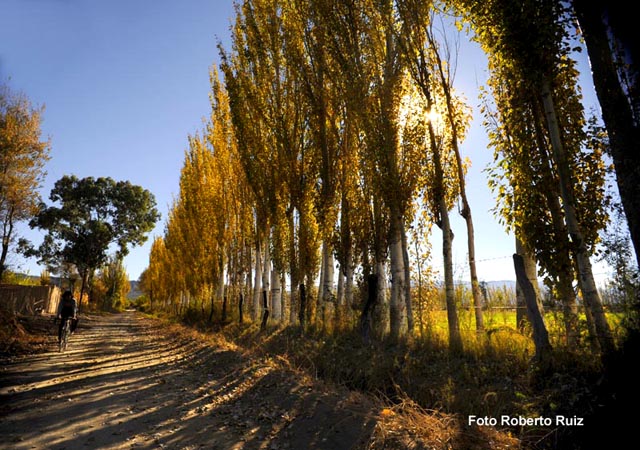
(124, 83)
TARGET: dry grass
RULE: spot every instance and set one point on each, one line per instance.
(407, 425)
(425, 393)
(20, 335)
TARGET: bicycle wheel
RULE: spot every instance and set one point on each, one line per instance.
(66, 330)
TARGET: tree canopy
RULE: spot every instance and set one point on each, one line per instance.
(23, 155)
(89, 216)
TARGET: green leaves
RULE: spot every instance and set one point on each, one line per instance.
(91, 214)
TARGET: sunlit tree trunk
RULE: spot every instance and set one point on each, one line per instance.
(398, 306)
(455, 338)
(294, 299)
(221, 276)
(257, 283)
(407, 279)
(446, 85)
(329, 272)
(586, 281)
(326, 295)
(529, 265)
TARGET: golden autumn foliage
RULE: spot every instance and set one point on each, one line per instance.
(23, 155)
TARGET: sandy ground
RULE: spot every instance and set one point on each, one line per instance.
(127, 382)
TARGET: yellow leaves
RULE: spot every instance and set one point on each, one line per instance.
(22, 158)
(386, 412)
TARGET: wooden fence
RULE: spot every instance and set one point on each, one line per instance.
(17, 299)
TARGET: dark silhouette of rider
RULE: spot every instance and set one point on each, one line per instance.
(67, 309)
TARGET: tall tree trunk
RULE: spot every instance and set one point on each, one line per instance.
(255, 312)
(398, 305)
(564, 266)
(407, 277)
(585, 273)
(266, 270)
(276, 295)
(473, 272)
(340, 308)
(303, 305)
(248, 284)
(283, 297)
(265, 310)
(565, 274)
(381, 311)
(420, 299)
(212, 303)
(322, 274)
(83, 285)
(347, 251)
(329, 272)
(617, 113)
(455, 338)
(466, 209)
(223, 315)
(366, 317)
(293, 272)
(531, 273)
(220, 294)
(321, 291)
(7, 232)
(534, 312)
(348, 285)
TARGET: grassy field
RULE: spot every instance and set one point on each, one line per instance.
(500, 325)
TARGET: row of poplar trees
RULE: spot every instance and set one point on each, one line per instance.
(337, 129)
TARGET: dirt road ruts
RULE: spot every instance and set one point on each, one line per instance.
(126, 382)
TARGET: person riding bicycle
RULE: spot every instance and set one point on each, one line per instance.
(67, 310)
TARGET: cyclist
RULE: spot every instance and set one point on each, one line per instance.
(67, 310)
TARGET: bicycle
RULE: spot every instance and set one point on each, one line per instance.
(66, 332)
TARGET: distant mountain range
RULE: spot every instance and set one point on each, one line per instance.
(509, 284)
(134, 292)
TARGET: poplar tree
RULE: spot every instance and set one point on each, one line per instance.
(23, 155)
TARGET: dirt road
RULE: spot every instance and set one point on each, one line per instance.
(126, 382)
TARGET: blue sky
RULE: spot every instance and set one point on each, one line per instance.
(124, 83)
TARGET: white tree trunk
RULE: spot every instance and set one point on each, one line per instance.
(221, 276)
(276, 296)
(340, 291)
(381, 311)
(398, 306)
(348, 285)
(323, 263)
(255, 312)
(329, 273)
